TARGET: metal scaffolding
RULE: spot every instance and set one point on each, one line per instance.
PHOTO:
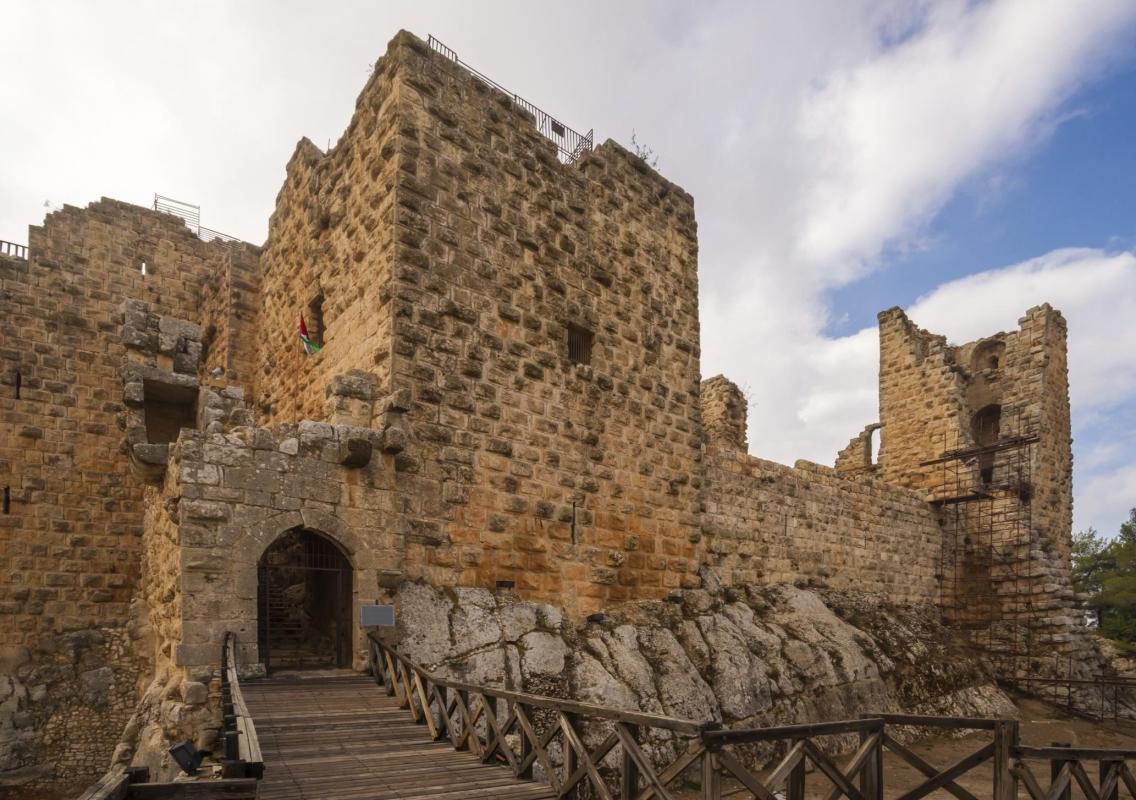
(983, 493)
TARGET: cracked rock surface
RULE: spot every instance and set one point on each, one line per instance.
(757, 656)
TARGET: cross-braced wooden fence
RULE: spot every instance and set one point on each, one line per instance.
(539, 732)
(542, 738)
(1073, 767)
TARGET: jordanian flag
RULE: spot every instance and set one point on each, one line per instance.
(309, 344)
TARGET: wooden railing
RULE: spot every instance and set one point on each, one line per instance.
(471, 718)
(861, 776)
(1074, 766)
(242, 748)
(518, 729)
(114, 785)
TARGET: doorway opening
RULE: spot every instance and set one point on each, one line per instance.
(304, 603)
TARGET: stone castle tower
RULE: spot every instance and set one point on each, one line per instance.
(507, 393)
(982, 430)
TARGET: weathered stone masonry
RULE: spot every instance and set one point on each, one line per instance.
(452, 251)
(169, 429)
(71, 552)
(767, 523)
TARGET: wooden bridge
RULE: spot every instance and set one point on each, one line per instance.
(416, 736)
(340, 737)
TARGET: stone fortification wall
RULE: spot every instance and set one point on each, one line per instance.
(576, 480)
(921, 400)
(228, 496)
(71, 538)
(931, 392)
(455, 256)
(330, 256)
(767, 523)
(230, 304)
(857, 457)
(724, 409)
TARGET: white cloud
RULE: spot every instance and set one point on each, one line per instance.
(1096, 292)
(898, 133)
(1105, 500)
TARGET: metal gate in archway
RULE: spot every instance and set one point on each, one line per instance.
(304, 603)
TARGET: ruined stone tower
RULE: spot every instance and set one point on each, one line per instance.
(982, 430)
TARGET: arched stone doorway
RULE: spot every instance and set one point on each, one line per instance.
(304, 589)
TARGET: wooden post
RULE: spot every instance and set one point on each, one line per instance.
(571, 760)
(443, 717)
(467, 732)
(1005, 740)
(872, 775)
(630, 783)
(232, 745)
(795, 783)
(526, 747)
(711, 780)
(1105, 765)
(1054, 770)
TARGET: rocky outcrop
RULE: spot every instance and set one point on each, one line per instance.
(762, 656)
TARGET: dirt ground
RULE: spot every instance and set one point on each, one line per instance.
(1041, 726)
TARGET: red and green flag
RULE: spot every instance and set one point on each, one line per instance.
(309, 343)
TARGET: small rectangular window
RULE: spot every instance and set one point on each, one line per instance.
(579, 345)
(168, 409)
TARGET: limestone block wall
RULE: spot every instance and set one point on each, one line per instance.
(766, 523)
(1006, 515)
(230, 304)
(724, 409)
(921, 400)
(228, 496)
(453, 253)
(930, 391)
(331, 241)
(576, 480)
(857, 456)
(70, 540)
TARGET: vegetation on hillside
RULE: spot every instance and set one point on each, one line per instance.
(1106, 571)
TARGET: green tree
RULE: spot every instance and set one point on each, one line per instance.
(1106, 571)
(1091, 560)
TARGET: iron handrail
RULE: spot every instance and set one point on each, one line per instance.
(570, 144)
(13, 249)
(191, 216)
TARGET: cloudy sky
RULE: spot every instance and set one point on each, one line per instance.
(964, 160)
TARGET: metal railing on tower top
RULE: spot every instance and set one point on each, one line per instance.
(13, 249)
(569, 143)
(191, 215)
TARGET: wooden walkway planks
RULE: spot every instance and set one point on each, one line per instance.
(343, 738)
